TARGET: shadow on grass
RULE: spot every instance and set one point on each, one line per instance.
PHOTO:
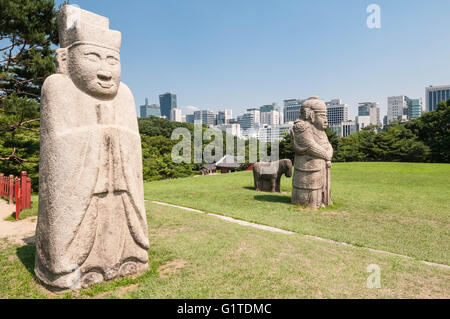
(249, 188)
(23, 215)
(11, 218)
(273, 198)
(26, 256)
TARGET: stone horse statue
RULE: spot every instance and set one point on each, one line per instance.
(267, 175)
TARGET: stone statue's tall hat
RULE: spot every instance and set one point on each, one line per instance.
(312, 105)
(78, 26)
(315, 104)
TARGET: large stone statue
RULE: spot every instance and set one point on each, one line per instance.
(92, 223)
(267, 175)
(311, 183)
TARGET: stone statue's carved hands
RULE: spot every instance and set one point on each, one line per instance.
(303, 143)
(328, 164)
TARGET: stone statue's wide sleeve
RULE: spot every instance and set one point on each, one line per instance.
(131, 153)
(295, 146)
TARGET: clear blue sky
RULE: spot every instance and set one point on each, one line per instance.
(238, 54)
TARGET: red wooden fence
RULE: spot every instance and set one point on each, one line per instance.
(16, 190)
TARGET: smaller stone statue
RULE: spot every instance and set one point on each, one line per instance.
(311, 184)
(267, 176)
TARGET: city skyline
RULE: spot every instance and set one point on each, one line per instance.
(294, 104)
(236, 55)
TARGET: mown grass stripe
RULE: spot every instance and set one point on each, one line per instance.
(273, 229)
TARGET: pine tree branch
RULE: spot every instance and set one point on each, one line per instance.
(10, 59)
(8, 91)
(21, 83)
(13, 40)
(9, 46)
(29, 121)
(13, 127)
(14, 157)
(26, 129)
(27, 81)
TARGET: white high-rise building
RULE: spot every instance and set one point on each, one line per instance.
(362, 122)
(204, 117)
(348, 127)
(176, 115)
(344, 128)
(224, 116)
(271, 115)
(371, 109)
(337, 112)
(397, 108)
(256, 114)
(269, 133)
(271, 118)
(233, 129)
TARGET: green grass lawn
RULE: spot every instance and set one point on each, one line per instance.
(398, 207)
(199, 256)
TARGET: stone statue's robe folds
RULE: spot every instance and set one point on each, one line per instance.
(91, 206)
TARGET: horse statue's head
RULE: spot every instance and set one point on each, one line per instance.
(286, 167)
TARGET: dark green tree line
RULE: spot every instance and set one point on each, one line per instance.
(433, 129)
(425, 139)
(27, 32)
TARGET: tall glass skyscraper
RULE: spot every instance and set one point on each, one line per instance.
(153, 110)
(436, 94)
(147, 110)
(414, 108)
(247, 121)
(204, 117)
(143, 109)
(364, 109)
(167, 102)
(190, 118)
(224, 116)
(292, 109)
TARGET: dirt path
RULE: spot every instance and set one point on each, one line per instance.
(19, 232)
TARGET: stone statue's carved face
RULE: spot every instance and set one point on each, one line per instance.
(94, 70)
(320, 120)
